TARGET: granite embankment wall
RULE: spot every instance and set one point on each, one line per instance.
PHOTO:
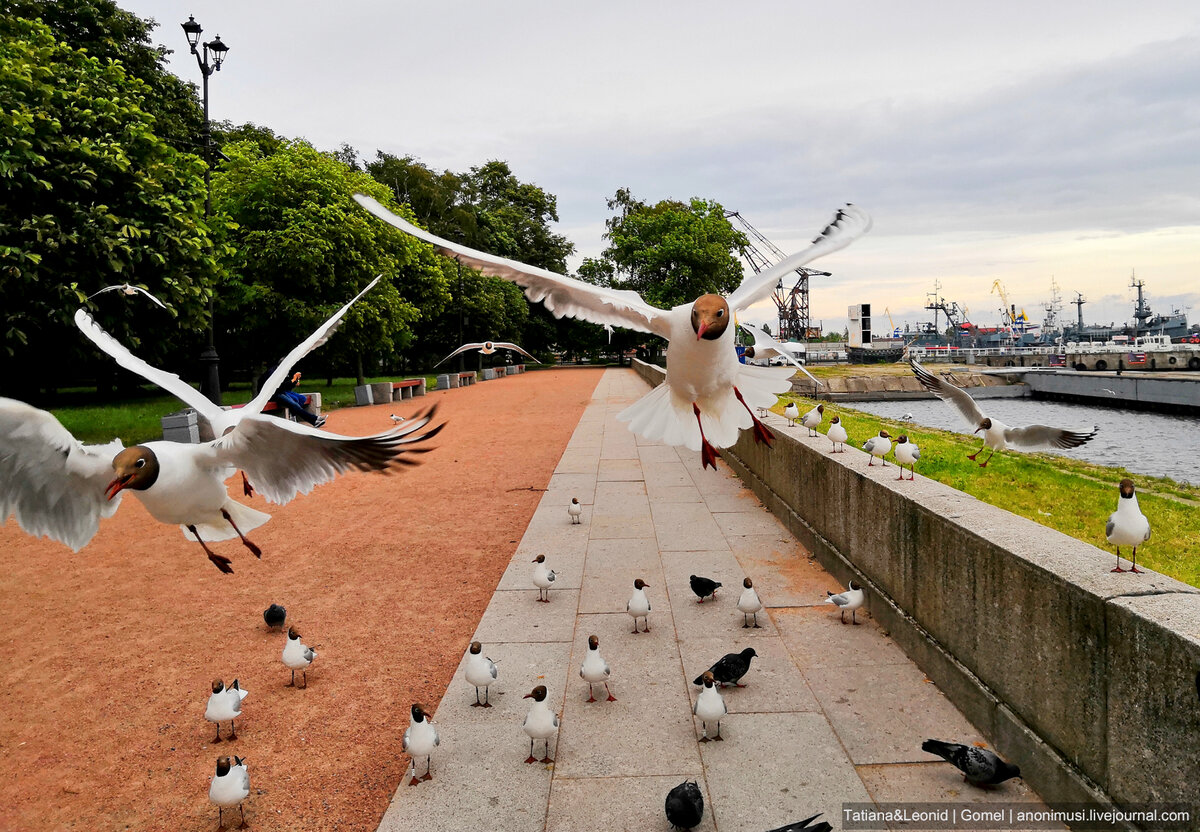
(1090, 681)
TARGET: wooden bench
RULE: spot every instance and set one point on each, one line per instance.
(465, 379)
(273, 406)
(407, 388)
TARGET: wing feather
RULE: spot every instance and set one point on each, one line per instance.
(1031, 437)
(948, 393)
(565, 297)
(505, 345)
(769, 343)
(463, 348)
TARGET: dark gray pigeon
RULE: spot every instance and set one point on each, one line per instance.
(979, 766)
(275, 615)
(704, 587)
(803, 826)
(730, 668)
(685, 805)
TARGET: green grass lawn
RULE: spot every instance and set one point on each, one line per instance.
(1063, 493)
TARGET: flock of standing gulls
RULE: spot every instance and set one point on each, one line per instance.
(57, 487)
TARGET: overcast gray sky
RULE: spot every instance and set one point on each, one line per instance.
(1017, 141)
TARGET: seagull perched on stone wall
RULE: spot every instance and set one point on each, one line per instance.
(708, 395)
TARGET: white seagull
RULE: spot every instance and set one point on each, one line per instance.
(791, 412)
(638, 605)
(480, 672)
(907, 453)
(708, 394)
(230, 786)
(812, 419)
(766, 347)
(1127, 526)
(878, 446)
(997, 435)
(543, 578)
(487, 348)
(420, 740)
(837, 435)
(225, 705)
(595, 670)
(129, 290)
(59, 488)
(710, 706)
(574, 510)
(297, 656)
(851, 600)
(749, 604)
(540, 723)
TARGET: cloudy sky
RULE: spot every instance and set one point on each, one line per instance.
(1017, 142)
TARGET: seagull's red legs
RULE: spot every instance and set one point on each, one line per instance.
(708, 454)
(221, 562)
(247, 488)
(254, 550)
(761, 432)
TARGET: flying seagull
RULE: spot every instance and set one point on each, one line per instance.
(708, 394)
(487, 348)
(128, 289)
(766, 347)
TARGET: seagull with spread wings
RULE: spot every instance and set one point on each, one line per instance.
(708, 394)
(765, 348)
(59, 488)
(129, 290)
(997, 435)
(487, 348)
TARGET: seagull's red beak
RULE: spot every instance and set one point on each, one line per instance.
(700, 330)
(527, 696)
(116, 485)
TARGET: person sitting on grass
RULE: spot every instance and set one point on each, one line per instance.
(291, 401)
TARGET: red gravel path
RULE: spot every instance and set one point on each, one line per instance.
(108, 654)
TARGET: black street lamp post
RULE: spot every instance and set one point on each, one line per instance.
(210, 382)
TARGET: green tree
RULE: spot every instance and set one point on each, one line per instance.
(92, 196)
(303, 247)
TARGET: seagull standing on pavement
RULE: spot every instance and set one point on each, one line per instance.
(980, 766)
(710, 706)
(730, 668)
(540, 723)
(685, 805)
(749, 604)
(574, 511)
(1127, 526)
(792, 413)
(997, 435)
(704, 587)
(595, 670)
(708, 394)
(837, 435)
(225, 705)
(851, 600)
(878, 446)
(543, 578)
(480, 672)
(812, 419)
(297, 656)
(907, 453)
(638, 605)
(230, 787)
(420, 740)
(395, 419)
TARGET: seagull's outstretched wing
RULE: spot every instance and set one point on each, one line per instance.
(505, 345)
(128, 289)
(849, 223)
(563, 296)
(950, 394)
(463, 348)
(283, 459)
(319, 337)
(49, 480)
(764, 342)
(1033, 437)
(170, 382)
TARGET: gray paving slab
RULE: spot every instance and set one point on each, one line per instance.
(684, 527)
(612, 566)
(746, 522)
(620, 469)
(779, 562)
(516, 615)
(816, 639)
(619, 803)
(565, 486)
(621, 513)
(674, 493)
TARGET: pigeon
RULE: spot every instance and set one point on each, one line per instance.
(907, 453)
(837, 435)
(420, 740)
(487, 348)
(997, 435)
(230, 787)
(851, 600)
(480, 672)
(980, 766)
(225, 705)
(129, 290)
(395, 419)
(574, 510)
(792, 413)
(543, 578)
(685, 805)
(638, 605)
(812, 419)
(765, 347)
(540, 723)
(710, 706)
(749, 604)
(878, 446)
(595, 670)
(297, 657)
(803, 826)
(708, 395)
(729, 668)
(275, 616)
(60, 488)
(1127, 526)
(704, 587)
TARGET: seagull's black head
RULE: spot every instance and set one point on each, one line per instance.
(1126, 488)
(538, 694)
(418, 713)
(710, 317)
(884, 434)
(748, 352)
(902, 440)
(835, 420)
(640, 584)
(574, 501)
(222, 766)
(292, 634)
(986, 424)
(476, 648)
(135, 468)
(821, 409)
(593, 642)
(539, 559)
(748, 583)
(217, 686)
(854, 586)
(708, 679)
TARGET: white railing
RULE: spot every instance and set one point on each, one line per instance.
(963, 352)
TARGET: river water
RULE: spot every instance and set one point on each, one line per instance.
(1156, 444)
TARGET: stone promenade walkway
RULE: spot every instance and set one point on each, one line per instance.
(831, 714)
